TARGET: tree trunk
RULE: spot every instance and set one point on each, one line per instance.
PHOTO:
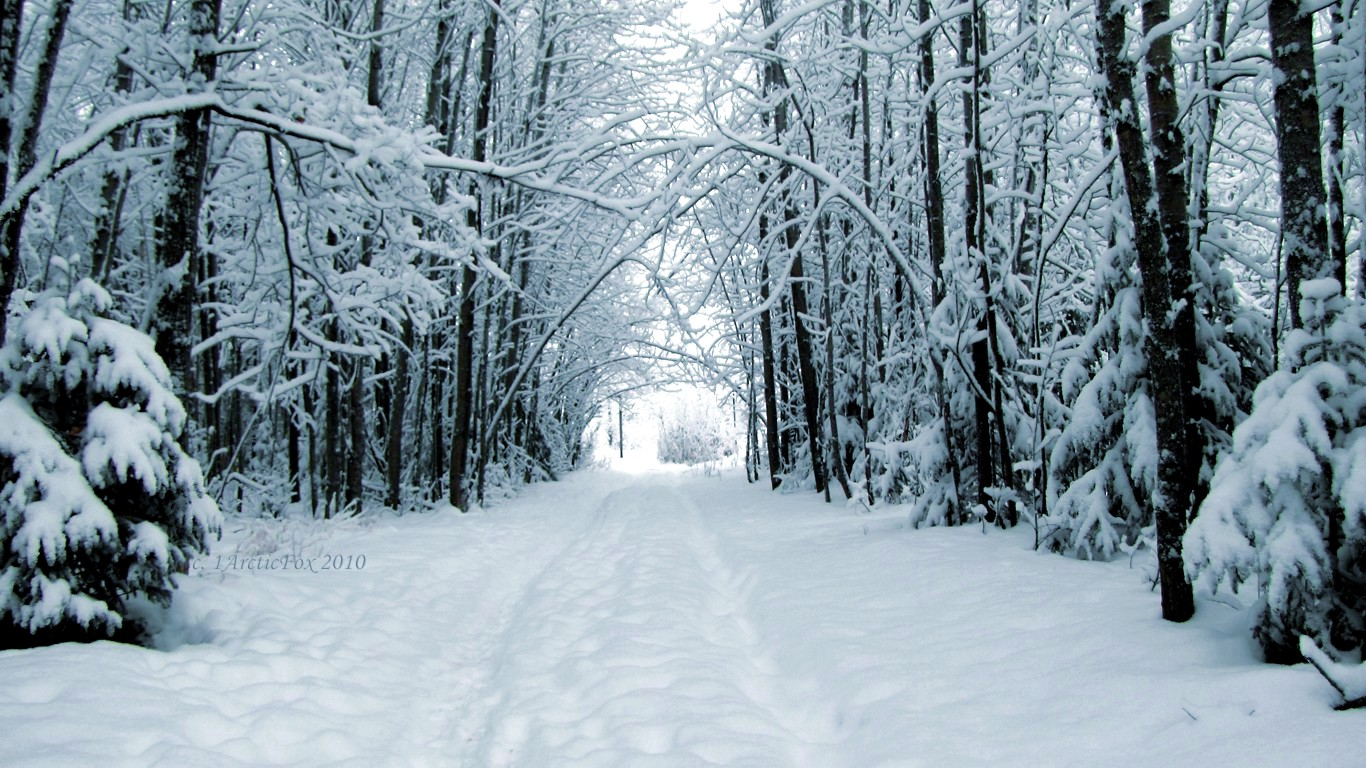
(973, 224)
(464, 379)
(178, 246)
(806, 364)
(114, 191)
(1169, 163)
(827, 307)
(398, 405)
(11, 12)
(775, 79)
(12, 225)
(770, 369)
(296, 481)
(1337, 160)
(1165, 380)
(334, 440)
(355, 456)
(1299, 149)
(934, 218)
(442, 112)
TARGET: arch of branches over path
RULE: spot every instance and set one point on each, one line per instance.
(690, 159)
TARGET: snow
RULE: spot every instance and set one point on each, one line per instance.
(46, 509)
(127, 441)
(1349, 679)
(666, 617)
(127, 362)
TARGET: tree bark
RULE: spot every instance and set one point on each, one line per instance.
(934, 220)
(464, 358)
(1299, 149)
(398, 406)
(334, 439)
(974, 214)
(1337, 161)
(11, 12)
(12, 225)
(775, 80)
(1165, 380)
(832, 414)
(806, 364)
(1173, 200)
(770, 369)
(178, 246)
(356, 442)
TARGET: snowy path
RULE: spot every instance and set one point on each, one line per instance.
(670, 620)
(635, 644)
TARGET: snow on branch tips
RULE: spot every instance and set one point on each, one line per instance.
(1285, 506)
(99, 502)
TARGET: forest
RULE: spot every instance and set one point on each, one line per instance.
(1095, 269)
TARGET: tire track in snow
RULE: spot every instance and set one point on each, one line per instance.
(454, 682)
(633, 648)
(465, 724)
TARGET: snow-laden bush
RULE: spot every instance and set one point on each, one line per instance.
(1104, 464)
(98, 502)
(691, 433)
(1287, 506)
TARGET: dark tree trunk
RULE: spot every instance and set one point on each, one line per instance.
(1337, 161)
(828, 309)
(114, 191)
(334, 440)
(770, 371)
(315, 468)
(464, 379)
(11, 12)
(479, 428)
(178, 246)
(1299, 150)
(1304, 230)
(1169, 163)
(398, 405)
(974, 214)
(356, 442)
(12, 225)
(296, 481)
(461, 436)
(806, 364)
(934, 218)
(436, 382)
(775, 80)
(1165, 379)
(442, 111)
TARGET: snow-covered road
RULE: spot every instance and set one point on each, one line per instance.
(635, 646)
(667, 619)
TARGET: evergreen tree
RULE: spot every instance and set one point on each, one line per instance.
(99, 503)
(1104, 463)
(1287, 505)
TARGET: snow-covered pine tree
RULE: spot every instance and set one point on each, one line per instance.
(98, 503)
(1104, 463)
(1287, 506)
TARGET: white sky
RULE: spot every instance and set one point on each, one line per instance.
(701, 15)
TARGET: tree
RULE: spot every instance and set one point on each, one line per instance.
(30, 124)
(1286, 507)
(1300, 151)
(100, 503)
(1163, 307)
(178, 245)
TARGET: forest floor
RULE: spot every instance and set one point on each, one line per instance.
(667, 618)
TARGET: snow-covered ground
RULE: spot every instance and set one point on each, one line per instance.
(664, 618)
